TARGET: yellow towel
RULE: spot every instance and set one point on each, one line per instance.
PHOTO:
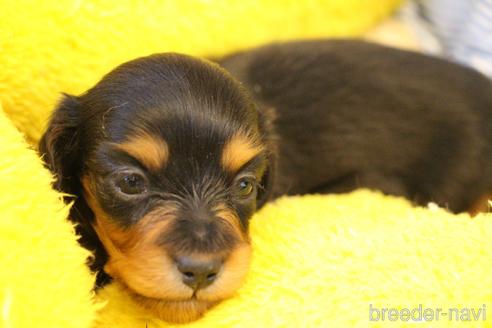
(319, 261)
(337, 261)
(326, 261)
(53, 46)
(44, 282)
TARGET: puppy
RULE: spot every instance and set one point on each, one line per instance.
(169, 156)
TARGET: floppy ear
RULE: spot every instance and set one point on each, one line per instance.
(59, 146)
(266, 189)
(266, 116)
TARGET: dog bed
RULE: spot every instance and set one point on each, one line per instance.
(338, 260)
(318, 261)
(53, 46)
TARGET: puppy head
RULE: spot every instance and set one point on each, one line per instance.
(168, 158)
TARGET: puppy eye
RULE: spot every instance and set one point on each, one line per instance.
(132, 184)
(245, 186)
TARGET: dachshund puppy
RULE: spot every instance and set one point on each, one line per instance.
(169, 156)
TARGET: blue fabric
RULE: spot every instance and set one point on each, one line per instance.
(463, 28)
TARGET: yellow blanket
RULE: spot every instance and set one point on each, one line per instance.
(319, 261)
(53, 46)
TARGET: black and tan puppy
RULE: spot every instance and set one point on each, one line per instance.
(169, 156)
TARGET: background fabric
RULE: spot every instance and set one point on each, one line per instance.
(53, 46)
(455, 29)
(318, 260)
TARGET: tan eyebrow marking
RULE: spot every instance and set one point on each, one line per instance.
(151, 151)
(238, 151)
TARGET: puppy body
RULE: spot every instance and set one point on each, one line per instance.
(169, 156)
(354, 114)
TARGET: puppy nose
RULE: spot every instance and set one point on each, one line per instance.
(198, 273)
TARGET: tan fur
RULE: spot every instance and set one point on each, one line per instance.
(238, 151)
(175, 311)
(236, 267)
(481, 205)
(232, 219)
(134, 256)
(151, 151)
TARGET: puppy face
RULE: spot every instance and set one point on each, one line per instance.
(169, 158)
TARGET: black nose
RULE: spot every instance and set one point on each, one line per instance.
(198, 273)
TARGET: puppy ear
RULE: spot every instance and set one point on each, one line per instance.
(267, 117)
(266, 185)
(59, 146)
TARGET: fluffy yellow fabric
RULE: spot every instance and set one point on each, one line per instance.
(53, 46)
(318, 260)
(321, 261)
(43, 279)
